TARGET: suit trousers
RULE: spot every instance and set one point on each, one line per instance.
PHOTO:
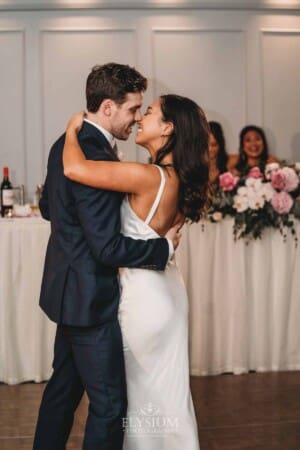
(85, 359)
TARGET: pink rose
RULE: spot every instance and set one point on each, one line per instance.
(255, 173)
(227, 181)
(278, 179)
(282, 202)
(285, 179)
(291, 179)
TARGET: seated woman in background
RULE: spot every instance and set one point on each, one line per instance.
(253, 151)
(218, 157)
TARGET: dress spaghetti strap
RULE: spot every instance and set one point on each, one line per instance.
(158, 196)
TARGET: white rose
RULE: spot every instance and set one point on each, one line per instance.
(250, 182)
(256, 202)
(257, 184)
(242, 191)
(254, 183)
(268, 191)
(251, 192)
(270, 168)
(240, 203)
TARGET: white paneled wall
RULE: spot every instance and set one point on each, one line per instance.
(12, 95)
(206, 65)
(281, 90)
(240, 66)
(65, 71)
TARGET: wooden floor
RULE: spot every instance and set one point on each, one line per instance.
(245, 412)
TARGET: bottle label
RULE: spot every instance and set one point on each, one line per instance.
(7, 197)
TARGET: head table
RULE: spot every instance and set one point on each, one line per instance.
(244, 301)
(26, 334)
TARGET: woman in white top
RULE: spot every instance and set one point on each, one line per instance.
(153, 310)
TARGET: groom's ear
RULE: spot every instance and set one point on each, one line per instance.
(107, 107)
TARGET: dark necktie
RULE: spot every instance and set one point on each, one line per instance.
(115, 149)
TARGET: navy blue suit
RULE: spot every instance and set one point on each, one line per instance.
(80, 292)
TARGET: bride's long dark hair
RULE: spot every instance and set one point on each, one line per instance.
(188, 144)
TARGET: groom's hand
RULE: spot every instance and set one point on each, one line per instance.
(174, 235)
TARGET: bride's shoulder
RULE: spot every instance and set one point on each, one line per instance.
(146, 175)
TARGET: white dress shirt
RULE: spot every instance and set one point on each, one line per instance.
(108, 136)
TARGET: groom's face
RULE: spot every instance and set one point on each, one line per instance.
(124, 116)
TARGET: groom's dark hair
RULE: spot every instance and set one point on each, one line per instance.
(113, 81)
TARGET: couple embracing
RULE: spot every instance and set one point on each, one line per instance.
(110, 281)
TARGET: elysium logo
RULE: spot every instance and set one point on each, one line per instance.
(149, 419)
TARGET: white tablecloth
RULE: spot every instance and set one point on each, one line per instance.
(26, 335)
(244, 301)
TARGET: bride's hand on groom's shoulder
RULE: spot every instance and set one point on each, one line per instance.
(76, 121)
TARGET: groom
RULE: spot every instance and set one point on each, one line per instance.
(80, 290)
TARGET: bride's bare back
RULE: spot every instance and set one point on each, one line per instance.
(166, 214)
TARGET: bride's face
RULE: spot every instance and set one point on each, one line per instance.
(152, 129)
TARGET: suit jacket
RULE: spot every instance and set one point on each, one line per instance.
(80, 281)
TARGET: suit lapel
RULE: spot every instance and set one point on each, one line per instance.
(89, 129)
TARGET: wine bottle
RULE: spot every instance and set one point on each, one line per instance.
(6, 194)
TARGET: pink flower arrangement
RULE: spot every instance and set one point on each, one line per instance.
(259, 200)
(228, 182)
(255, 173)
(282, 202)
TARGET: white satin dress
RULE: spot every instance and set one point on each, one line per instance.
(153, 315)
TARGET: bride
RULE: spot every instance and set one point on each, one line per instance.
(153, 311)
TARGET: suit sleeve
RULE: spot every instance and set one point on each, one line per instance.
(99, 215)
(44, 203)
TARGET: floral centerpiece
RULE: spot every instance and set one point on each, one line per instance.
(259, 200)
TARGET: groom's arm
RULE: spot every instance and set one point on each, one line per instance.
(99, 215)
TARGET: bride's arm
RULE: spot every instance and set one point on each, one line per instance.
(116, 176)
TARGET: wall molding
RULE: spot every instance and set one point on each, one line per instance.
(51, 29)
(23, 5)
(197, 29)
(279, 31)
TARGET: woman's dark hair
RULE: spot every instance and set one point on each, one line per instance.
(222, 157)
(112, 81)
(188, 144)
(242, 164)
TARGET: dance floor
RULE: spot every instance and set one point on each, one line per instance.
(234, 412)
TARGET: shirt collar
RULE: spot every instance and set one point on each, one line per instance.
(109, 137)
